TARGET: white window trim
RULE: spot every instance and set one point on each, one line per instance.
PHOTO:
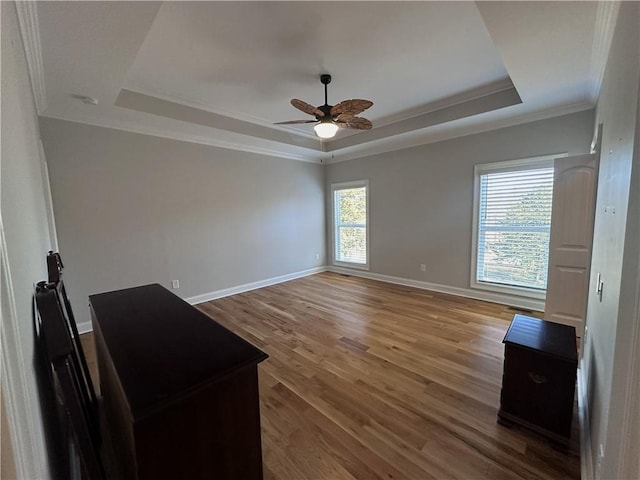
(496, 167)
(343, 186)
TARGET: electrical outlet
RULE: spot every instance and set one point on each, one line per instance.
(317, 256)
(423, 267)
(175, 284)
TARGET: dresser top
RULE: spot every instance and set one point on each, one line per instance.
(162, 348)
(546, 337)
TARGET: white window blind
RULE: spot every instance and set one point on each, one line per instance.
(514, 223)
(350, 224)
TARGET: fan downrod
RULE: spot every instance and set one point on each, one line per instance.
(325, 78)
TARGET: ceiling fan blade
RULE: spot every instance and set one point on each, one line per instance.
(307, 108)
(293, 122)
(352, 107)
(345, 117)
(358, 123)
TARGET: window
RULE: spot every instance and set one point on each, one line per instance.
(512, 223)
(350, 218)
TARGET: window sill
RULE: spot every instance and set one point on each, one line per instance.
(516, 291)
(356, 266)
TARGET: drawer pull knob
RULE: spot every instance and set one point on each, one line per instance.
(537, 378)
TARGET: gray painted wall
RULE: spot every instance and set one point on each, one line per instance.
(25, 245)
(613, 323)
(134, 209)
(421, 198)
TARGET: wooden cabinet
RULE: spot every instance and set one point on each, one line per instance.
(538, 383)
(180, 392)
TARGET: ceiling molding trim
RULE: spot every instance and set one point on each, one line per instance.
(475, 106)
(606, 17)
(135, 127)
(30, 33)
(184, 113)
(447, 102)
(217, 111)
(410, 140)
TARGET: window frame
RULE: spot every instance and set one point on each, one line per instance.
(345, 186)
(528, 163)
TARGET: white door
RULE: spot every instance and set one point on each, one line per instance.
(574, 198)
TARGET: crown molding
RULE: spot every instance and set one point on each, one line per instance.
(385, 145)
(218, 111)
(449, 110)
(432, 108)
(30, 32)
(606, 17)
(450, 101)
(411, 139)
(499, 86)
(184, 113)
(135, 127)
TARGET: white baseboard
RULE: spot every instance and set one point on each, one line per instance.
(586, 454)
(529, 304)
(85, 327)
(205, 297)
(520, 302)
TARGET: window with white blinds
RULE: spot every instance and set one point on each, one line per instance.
(350, 213)
(513, 225)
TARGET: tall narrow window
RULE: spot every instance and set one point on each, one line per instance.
(350, 214)
(513, 223)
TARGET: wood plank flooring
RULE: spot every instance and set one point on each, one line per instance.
(371, 380)
(368, 380)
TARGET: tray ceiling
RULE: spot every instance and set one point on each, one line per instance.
(223, 72)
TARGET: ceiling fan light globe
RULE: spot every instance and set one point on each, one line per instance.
(326, 129)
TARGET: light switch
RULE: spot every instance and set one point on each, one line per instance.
(599, 287)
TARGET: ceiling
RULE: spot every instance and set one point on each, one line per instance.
(222, 73)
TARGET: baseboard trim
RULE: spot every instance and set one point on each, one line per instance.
(85, 327)
(529, 304)
(586, 454)
(205, 297)
(519, 302)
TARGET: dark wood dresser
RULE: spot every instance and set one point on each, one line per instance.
(180, 392)
(539, 379)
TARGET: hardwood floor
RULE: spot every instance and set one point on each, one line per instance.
(370, 380)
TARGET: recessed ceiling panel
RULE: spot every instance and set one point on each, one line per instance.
(221, 73)
(248, 59)
(546, 46)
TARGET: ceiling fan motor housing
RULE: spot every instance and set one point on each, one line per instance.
(326, 109)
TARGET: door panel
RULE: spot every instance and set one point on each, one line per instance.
(574, 195)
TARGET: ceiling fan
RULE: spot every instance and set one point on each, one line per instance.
(331, 117)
